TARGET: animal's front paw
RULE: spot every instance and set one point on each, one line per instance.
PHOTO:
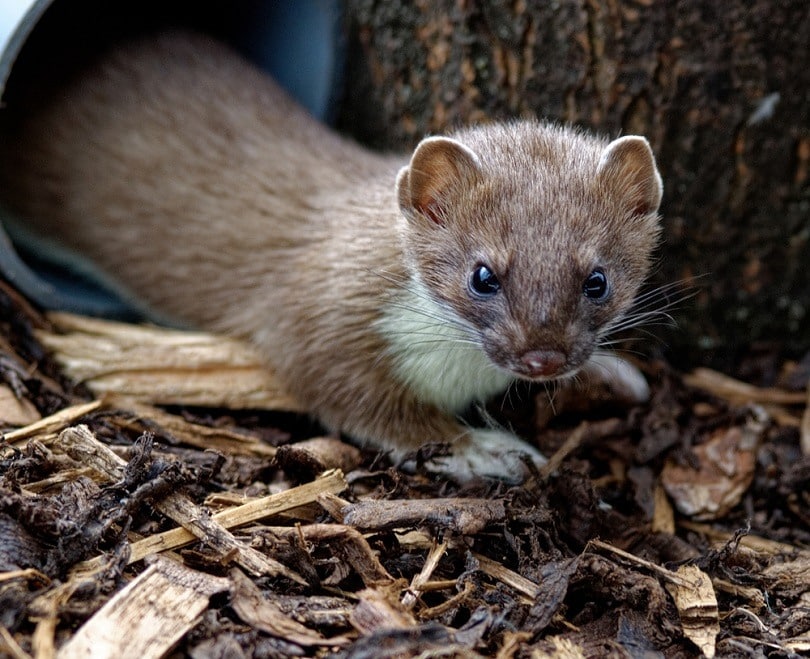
(495, 454)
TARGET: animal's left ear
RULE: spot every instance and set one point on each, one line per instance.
(439, 167)
(628, 164)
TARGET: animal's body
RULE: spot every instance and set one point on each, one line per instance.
(386, 293)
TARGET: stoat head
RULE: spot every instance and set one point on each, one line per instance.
(534, 238)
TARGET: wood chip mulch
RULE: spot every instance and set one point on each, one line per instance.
(189, 525)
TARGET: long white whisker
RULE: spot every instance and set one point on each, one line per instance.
(445, 346)
(651, 308)
(441, 320)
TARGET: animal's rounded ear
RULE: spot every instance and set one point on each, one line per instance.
(628, 164)
(439, 166)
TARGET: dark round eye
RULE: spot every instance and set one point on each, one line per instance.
(483, 282)
(596, 286)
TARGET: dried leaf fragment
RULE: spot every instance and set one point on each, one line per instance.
(696, 602)
(724, 471)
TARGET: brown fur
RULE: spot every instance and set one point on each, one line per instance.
(201, 188)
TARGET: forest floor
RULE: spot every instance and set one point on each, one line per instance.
(136, 528)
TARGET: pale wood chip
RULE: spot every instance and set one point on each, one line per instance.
(431, 563)
(146, 619)
(799, 643)
(738, 392)
(46, 428)
(197, 435)
(163, 366)
(511, 578)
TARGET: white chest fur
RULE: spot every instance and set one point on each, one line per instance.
(436, 355)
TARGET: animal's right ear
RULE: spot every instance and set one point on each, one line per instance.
(438, 167)
(628, 163)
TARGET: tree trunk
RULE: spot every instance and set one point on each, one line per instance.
(719, 89)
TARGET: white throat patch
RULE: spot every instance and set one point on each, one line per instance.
(435, 355)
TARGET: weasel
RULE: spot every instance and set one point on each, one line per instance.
(387, 294)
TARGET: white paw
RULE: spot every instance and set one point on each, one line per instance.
(623, 379)
(493, 454)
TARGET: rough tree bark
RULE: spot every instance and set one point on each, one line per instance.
(721, 89)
